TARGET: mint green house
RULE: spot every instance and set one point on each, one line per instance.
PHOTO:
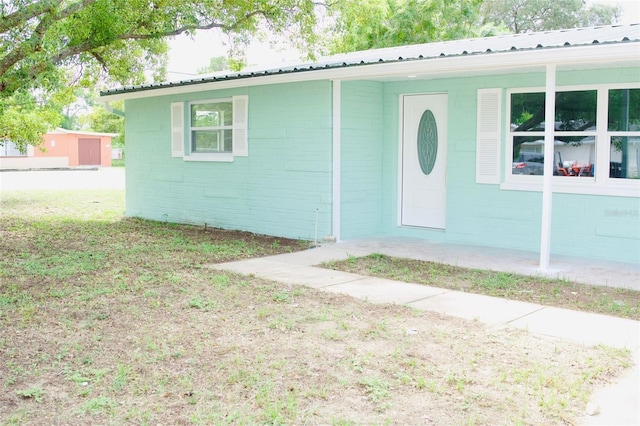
(446, 141)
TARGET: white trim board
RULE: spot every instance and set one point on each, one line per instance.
(336, 165)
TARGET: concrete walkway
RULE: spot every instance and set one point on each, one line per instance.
(619, 403)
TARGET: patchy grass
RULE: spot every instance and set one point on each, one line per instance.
(108, 320)
(623, 303)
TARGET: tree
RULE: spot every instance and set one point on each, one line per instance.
(26, 115)
(48, 46)
(217, 63)
(366, 24)
(522, 16)
(100, 120)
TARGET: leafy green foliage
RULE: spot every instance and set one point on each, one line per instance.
(25, 116)
(522, 16)
(364, 24)
(49, 46)
(103, 121)
(123, 38)
(217, 63)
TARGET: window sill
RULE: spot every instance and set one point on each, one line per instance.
(220, 158)
(588, 186)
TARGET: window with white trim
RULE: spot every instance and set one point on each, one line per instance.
(574, 133)
(623, 133)
(596, 139)
(210, 127)
(211, 130)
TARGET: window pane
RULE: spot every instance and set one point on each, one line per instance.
(574, 156)
(625, 157)
(624, 110)
(211, 115)
(228, 140)
(527, 112)
(210, 141)
(528, 157)
(576, 111)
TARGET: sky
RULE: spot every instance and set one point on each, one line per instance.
(187, 55)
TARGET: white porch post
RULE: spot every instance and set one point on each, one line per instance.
(547, 191)
(335, 163)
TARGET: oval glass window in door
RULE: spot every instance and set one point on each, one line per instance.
(427, 142)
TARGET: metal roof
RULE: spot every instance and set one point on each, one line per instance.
(455, 48)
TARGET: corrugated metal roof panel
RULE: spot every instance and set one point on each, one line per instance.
(477, 46)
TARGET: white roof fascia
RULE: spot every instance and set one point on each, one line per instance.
(627, 53)
(60, 130)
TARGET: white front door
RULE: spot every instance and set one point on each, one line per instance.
(424, 160)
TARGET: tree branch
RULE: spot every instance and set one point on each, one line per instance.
(162, 34)
(9, 82)
(22, 15)
(34, 43)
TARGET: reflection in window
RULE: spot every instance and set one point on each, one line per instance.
(528, 155)
(624, 119)
(527, 112)
(624, 110)
(576, 111)
(575, 157)
(211, 141)
(211, 127)
(625, 157)
(572, 157)
(574, 133)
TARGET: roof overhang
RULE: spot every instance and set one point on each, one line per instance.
(61, 131)
(619, 54)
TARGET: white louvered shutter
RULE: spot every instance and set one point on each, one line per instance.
(177, 129)
(240, 130)
(488, 136)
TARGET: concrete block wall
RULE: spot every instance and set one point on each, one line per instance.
(281, 188)
(599, 226)
(362, 141)
(286, 181)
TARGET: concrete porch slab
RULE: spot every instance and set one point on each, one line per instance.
(582, 270)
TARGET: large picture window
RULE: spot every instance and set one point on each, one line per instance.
(574, 133)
